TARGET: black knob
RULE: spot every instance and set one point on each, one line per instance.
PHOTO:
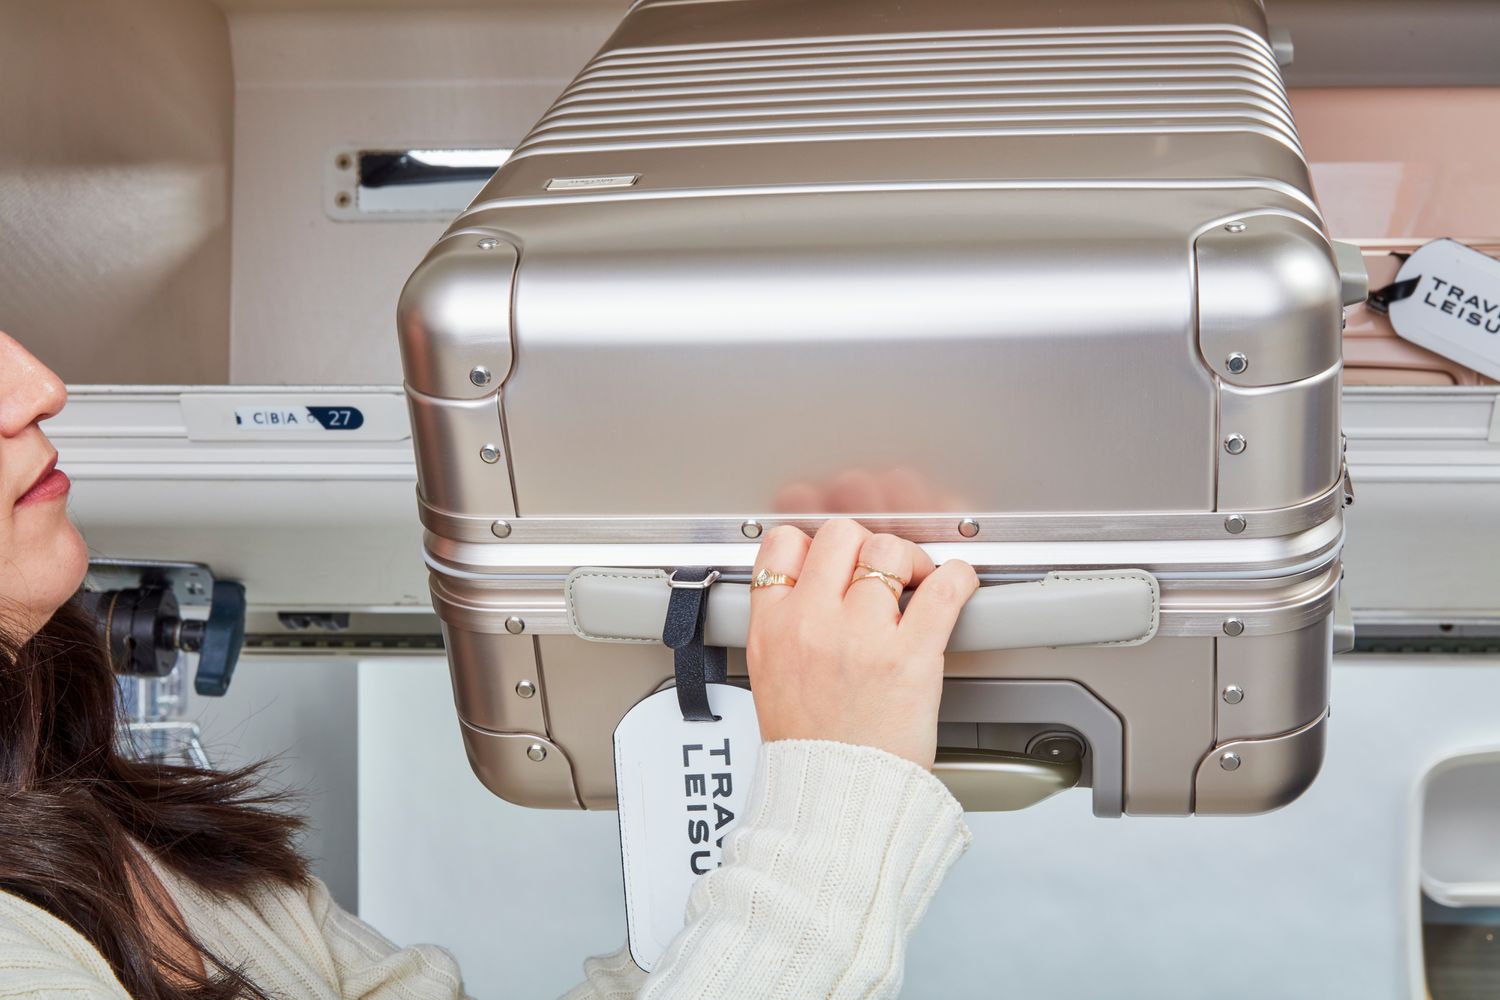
(218, 640)
(144, 631)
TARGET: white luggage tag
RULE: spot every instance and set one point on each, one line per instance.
(681, 786)
(684, 759)
(1446, 298)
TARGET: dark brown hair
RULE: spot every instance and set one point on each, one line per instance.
(72, 807)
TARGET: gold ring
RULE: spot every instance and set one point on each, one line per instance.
(864, 571)
(765, 578)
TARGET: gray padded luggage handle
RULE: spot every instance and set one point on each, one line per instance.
(1119, 607)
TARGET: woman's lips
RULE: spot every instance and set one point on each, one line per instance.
(53, 485)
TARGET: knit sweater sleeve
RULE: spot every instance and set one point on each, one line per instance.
(40, 956)
(367, 966)
(838, 855)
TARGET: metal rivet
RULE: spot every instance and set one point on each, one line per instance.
(514, 625)
(343, 199)
(1235, 227)
(1234, 694)
(500, 529)
(1234, 444)
(751, 529)
(526, 689)
(1234, 523)
(344, 161)
(537, 752)
(490, 454)
(480, 375)
(968, 527)
(1237, 363)
(488, 243)
(1233, 626)
(1230, 761)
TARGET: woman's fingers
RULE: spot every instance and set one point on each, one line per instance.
(898, 558)
(821, 668)
(783, 550)
(831, 558)
(933, 610)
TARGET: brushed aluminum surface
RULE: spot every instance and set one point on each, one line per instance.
(710, 307)
(460, 460)
(1267, 296)
(509, 767)
(1272, 683)
(1288, 454)
(454, 318)
(1268, 774)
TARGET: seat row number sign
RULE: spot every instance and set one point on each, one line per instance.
(319, 415)
(299, 418)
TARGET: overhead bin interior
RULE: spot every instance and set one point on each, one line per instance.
(167, 174)
(173, 174)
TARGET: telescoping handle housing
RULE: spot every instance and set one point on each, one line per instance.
(1099, 607)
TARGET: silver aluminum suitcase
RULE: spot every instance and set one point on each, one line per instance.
(1041, 287)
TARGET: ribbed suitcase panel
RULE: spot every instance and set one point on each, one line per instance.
(909, 86)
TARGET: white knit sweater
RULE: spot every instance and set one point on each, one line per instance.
(829, 871)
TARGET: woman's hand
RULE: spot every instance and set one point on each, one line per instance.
(834, 658)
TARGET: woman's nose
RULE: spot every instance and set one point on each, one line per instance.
(29, 390)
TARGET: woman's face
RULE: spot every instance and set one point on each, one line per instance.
(42, 557)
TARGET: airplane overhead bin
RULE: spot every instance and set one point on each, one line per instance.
(214, 244)
(208, 210)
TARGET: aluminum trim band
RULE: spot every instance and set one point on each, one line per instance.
(1229, 558)
(929, 528)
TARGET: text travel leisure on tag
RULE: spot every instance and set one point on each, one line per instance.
(703, 857)
(1475, 310)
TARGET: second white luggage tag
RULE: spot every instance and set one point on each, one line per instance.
(684, 758)
(1446, 298)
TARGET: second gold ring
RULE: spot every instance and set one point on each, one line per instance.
(893, 583)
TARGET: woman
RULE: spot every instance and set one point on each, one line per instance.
(125, 879)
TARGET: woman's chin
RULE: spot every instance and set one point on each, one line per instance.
(52, 581)
(73, 559)
(41, 567)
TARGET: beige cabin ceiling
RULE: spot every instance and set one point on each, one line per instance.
(1340, 43)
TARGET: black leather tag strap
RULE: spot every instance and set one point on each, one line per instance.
(1380, 300)
(695, 664)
